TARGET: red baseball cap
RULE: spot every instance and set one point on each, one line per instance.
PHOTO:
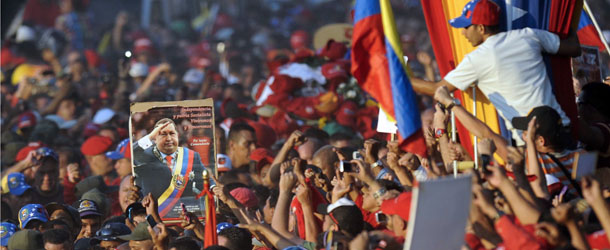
(23, 153)
(26, 120)
(485, 12)
(142, 45)
(400, 206)
(265, 136)
(334, 50)
(333, 70)
(299, 39)
(285, 84)
(347, 114)
(245, 196)
(262, 156)
(96, 145)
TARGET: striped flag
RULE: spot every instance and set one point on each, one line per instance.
(587, 34)
(377, 64)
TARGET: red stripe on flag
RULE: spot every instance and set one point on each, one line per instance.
(369, 62)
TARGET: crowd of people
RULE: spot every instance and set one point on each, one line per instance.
(300, 163)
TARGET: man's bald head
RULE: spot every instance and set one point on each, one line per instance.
(325, 158)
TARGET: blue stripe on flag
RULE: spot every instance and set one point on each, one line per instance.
(365, 8)
(406, 110)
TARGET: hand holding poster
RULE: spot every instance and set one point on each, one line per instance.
(172, 143)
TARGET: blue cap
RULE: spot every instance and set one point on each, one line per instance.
(31, 212)
(7, 230)
(16, 183)
(222, 226)
(485, 12)
(122, 151)
(47, 152)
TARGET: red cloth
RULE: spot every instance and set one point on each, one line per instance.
(598, 240)
(368, 216)
(41, 12)
(515, 236)
(560, 20)
(96, 145)
(297, 209)
(265, 135)
(473, 242)
(69, 189)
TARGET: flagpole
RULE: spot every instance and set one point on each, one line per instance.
(599, 31)
(474, 112)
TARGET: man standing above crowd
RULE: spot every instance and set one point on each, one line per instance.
(508, 67)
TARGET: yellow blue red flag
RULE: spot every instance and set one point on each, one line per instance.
(378, 65)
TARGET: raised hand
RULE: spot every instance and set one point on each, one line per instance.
(563, 213)
(371, 150)
(73, 173)
(287, 181)
(160, 236)
(591, 190)
(296, 138)
(443, 96)
(495, 176)
(155, 132)
(134, 191)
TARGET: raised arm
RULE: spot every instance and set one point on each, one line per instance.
(474, 125)
(428, 87)
(570, 46)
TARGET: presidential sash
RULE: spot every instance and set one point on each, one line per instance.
(180, 177)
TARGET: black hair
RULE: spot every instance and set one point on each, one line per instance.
(114, 219)
(184, 243)
(56, 236)
(52, 223)
(492, 29)
(261, 193)
(340, 136)
(596, 95)
(236, 128)
(274, 194)
(317, 133)
(231, 176)
(215, 247)
(349, 219)
(237, 238)
(390, 185)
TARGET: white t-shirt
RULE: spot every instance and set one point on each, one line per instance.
(510, 71)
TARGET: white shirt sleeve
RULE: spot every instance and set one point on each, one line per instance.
(464, 75)
(145, 142)
(549, 41)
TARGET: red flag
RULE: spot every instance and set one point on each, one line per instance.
(211, 238)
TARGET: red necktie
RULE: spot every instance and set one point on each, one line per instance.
(168, 160)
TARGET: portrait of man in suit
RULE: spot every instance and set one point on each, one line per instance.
(164, 168)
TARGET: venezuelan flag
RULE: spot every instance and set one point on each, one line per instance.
(587, 34)
(450, 47)
(378, 65)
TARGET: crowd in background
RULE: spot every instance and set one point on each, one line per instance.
(286, 116)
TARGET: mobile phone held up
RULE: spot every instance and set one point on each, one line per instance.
(188, 219)
(346, 166)
(151, 221)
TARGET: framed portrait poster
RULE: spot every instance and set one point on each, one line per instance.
(172, 143)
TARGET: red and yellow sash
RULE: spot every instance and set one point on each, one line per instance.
(180, 177)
